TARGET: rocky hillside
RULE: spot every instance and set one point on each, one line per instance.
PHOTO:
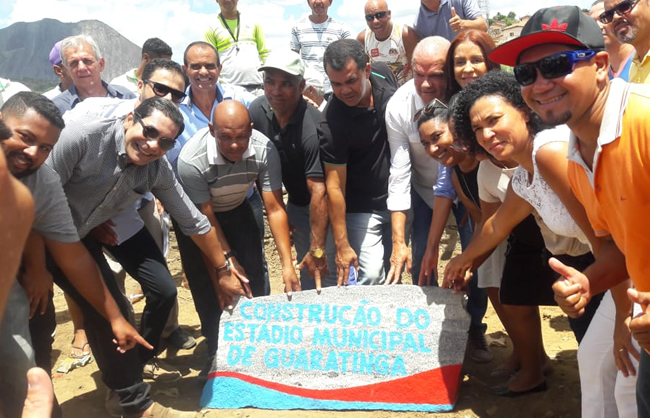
(25, 48)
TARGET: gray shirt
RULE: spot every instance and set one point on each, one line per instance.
(52, 218)
(99, 183)
(207, 176)
(428, 23)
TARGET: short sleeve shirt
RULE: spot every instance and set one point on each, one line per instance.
(298, 145)
(428, 23)
(52, 218)
(360, 142)
(207, 176)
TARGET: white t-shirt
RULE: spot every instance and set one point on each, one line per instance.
(391, 51)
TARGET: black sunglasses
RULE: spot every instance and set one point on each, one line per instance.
(378, 15)
(553, 66)
(162, 90)
(429, 109)
(620, 9)
(153, 134)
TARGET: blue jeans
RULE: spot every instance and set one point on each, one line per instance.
(299, 220)
(477, 299)
(370, 236)
(422, 214)
(643, 386)
(16, 353)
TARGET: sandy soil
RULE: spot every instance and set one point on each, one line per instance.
(81, 392)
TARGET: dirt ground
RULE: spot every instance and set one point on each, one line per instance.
(81, 392)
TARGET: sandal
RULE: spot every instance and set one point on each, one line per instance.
(82, 350)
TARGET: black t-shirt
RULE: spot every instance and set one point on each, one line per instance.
(359, 141)
(298, 145)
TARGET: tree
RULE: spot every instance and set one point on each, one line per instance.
(512, 16)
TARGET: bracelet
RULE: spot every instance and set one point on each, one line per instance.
(224, 268)
(230, 254)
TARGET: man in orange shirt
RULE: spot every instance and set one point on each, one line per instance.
(562, 67)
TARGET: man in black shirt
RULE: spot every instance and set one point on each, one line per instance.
(293, 126)
(357, 161)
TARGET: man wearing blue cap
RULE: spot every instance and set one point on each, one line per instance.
(561, 64)
(65, 81)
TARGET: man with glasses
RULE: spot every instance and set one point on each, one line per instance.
(448, 17)
(630, 22)
(151, 49)
(106, 165)
(217, 168)
(620, 54)
(313, 33)
(160, 78)
(83, 60)
(561, 64)
(388, 42)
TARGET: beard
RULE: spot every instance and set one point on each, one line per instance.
(16, 155)
(628, 35)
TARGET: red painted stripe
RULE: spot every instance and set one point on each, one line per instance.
(439, 386)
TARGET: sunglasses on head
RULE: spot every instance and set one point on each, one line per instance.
(162, 90)
(379, 15)
(553, 66)
(429, 109)
(152, 134)
(620, 9)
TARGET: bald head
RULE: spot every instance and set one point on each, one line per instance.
(432, 46)
(372, 5)
(378, 20)
(232, 129)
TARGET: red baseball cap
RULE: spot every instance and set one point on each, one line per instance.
(553, 25)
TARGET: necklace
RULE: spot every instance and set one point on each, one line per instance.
(232, 35)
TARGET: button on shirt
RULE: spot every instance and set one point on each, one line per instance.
(359, 141)
(70, 98)
(195, 120)
(409, 164)
(207, 176)
(99, 182)
(297, 143)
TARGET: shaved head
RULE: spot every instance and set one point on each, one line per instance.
(372, 5)
(232, 129)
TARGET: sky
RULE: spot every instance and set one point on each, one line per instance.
(179, 22)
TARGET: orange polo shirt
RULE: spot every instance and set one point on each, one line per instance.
(616, 194)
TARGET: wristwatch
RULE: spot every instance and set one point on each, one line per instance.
(230, 254)
(223, 269)
(317, 253)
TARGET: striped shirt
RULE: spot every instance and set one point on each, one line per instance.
(91, 160)
(312, 39)
(207, 176)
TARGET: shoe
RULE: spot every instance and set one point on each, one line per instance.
(160, 411)
(160, 371)
(478, 347)
(506, 392)
(112, 403)
(180, 340)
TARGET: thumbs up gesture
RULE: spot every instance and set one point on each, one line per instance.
(571, 290)
(456, 23)
(640, 324)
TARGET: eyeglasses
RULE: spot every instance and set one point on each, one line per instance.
(162, 90)
(378, 16)
(152, 134)
(620, 9)
(553, 66)
(429, 109)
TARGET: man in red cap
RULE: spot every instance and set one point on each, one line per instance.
(561, 64)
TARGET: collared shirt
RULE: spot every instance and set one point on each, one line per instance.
(70, 98)
(428, 23)
(312, 39)
(52, 218)
(410, 164)
(614, 191)
(207, 176)
(99, 183)
(52, 93)
(240, 58)
(195, 120)
(359, 141)
(640, 70)
(298, 144)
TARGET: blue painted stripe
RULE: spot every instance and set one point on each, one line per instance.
(231, 393)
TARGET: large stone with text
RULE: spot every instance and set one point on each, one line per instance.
(358, 347)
